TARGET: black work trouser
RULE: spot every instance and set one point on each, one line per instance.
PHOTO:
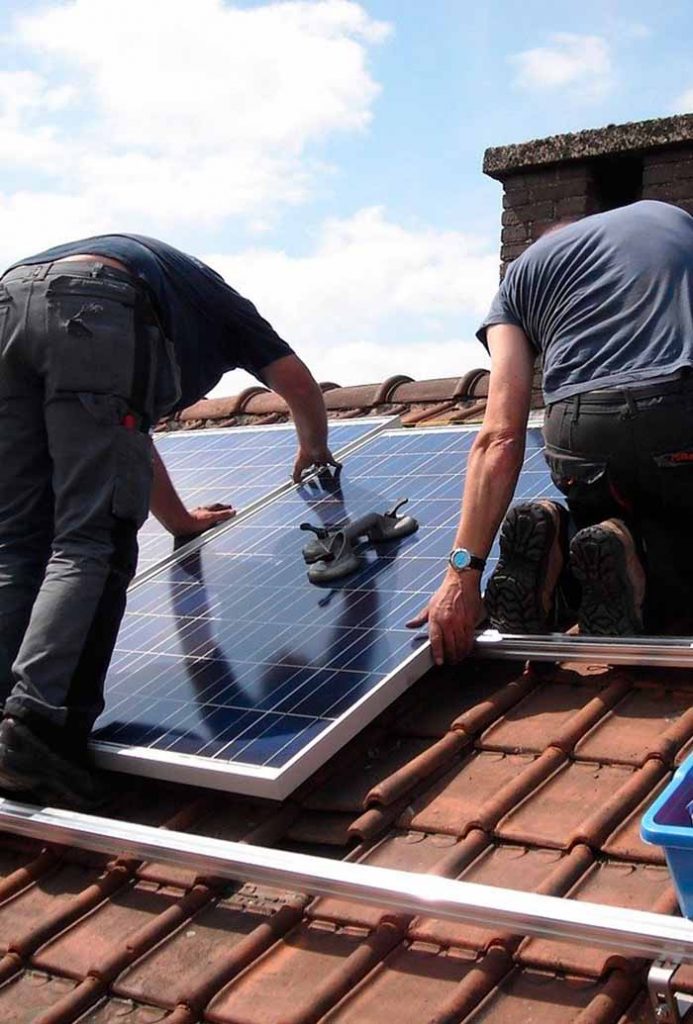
(629, 453)
(76, 354)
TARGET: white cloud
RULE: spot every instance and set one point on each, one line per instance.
(683, 104)
(163, 113)
(579, 63)
(26, 99)
(374, 298)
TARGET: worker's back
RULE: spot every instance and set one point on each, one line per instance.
(608, 300)
(212, 327)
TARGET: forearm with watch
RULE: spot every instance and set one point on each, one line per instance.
(494, 463)
(492, 471)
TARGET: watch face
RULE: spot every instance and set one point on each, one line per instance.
(460, 558)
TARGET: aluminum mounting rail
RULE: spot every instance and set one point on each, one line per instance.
(676, 652)
(639, 933)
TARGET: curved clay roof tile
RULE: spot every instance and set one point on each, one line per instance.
(386, 391)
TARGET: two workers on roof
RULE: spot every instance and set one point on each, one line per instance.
(607, 303)
(98, 339)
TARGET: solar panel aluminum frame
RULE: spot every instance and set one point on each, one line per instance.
(379, 424)
(636, 932)
(258, 781)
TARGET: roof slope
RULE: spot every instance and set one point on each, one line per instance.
(531, 778)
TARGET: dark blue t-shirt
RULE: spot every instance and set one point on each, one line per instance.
(213, 329)
(608, 300)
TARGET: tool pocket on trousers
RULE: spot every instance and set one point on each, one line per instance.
(584, 482)
(91, 327)
(675, 476)
(134, 469)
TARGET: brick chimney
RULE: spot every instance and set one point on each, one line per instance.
(588, 172)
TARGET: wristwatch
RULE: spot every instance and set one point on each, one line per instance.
(461, 560)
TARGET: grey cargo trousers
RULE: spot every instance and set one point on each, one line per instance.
(75, 479)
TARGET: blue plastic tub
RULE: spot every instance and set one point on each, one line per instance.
(667, 823)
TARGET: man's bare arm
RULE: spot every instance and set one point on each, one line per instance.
(291, 378)
(494, 464)
(168, 508)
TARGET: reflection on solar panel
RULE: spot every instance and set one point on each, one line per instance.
(238, 466)
(233, 671)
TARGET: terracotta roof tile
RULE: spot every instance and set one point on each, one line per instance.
(415, 401)
(473, 720)
(51, 903)
(405, 851)
(556, 713)
(625, 842)
(120, 1011)
(422, 983)
(317, 963)
(581, 803)
(521, 868)
(647, 722)
(456, 689)
(348, 789)
(206, 951)
(30, 994)
(320, 832)
(479, 792)
(221, 816)
(537, 997)
(90, 943)
(613, 883)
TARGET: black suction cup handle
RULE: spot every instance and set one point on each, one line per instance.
(400, 504)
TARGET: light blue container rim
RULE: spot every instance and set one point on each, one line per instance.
(673, 799)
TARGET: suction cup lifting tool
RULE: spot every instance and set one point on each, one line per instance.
(331, 556)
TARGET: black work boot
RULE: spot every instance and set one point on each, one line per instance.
(520, 594)
(605, 561)
(29, 765)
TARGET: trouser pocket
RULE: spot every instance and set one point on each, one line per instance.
(91, 333)
(591, 493)
(126, 456)
(133, 479)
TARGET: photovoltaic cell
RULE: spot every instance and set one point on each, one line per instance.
(237, 467)
(232, 669)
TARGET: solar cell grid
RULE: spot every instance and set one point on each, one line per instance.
(239, 466)
(231, 659)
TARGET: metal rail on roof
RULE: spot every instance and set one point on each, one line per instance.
(676, 652)
(639, 933)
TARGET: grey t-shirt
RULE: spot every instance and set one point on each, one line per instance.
(608, 300)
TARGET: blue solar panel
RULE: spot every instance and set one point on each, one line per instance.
(238, 467)
(231, 660)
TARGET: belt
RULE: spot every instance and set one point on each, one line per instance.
(86, 266)
(633, 392)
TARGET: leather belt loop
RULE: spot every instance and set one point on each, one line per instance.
(630, 402)
(576, 409)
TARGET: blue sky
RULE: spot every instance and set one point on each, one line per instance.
(325, 155)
